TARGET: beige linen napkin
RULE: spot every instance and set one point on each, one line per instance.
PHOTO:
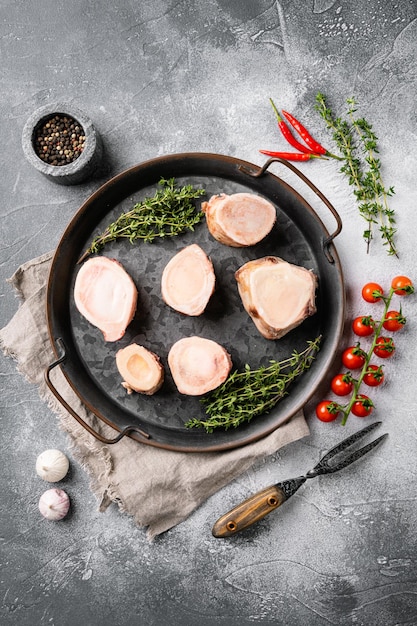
(159, 488)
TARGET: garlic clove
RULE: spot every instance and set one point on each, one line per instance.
(54, 504)
(52, 465)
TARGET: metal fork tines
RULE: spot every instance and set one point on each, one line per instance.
(329, 463)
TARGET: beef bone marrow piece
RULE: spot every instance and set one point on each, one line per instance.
(140, 369)
(277, 295)
(188, 281)
(198, 365)
(240, 219)
(106, 296)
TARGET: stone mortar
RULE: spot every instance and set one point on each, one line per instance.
(80, 169)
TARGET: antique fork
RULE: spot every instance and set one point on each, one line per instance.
(257, 506)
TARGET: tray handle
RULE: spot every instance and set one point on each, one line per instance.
(262, 170)
(126, 431)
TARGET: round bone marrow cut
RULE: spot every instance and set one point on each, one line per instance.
(240, 219)
(198, 365)
(277, 295)
(140, 369)
(106, 296)
(188, 281)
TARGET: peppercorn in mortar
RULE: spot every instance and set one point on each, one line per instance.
(59, 140)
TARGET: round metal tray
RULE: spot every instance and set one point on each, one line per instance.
(88, 362)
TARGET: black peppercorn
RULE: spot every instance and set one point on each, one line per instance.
(59, 140)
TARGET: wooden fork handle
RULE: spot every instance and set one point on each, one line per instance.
(249, 512)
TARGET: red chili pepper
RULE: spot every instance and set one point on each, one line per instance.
(287, 134)
(314, 145)
(292, 156)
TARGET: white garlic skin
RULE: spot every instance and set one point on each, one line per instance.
(52, 465)
(54, 504)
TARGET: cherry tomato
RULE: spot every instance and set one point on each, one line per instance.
(353, 358)
(402, 285)
(393, 321)
(372, 292)
(342, 384)
(326, 411)
(362, 407)
(374, 376)
(384, 347)
(363, 326)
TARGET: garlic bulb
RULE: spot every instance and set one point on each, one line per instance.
(52, 465)
(54, 504)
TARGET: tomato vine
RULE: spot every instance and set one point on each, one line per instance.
(356, 358)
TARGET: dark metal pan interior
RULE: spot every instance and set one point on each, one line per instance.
(90, 365)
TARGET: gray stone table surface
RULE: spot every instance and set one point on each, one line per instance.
(169, 76)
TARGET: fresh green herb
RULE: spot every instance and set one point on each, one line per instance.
(358, 145)
(168, 213)
(252, 392)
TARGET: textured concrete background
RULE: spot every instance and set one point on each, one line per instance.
(165, 76)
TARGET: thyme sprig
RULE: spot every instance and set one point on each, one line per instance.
(171, 211)
(249, 393)
(358, 145)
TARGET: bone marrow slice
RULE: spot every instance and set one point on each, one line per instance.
(140, 369)
(198, 365)
(188, 281)
(106, 296)
(240, 219)
(277, 295)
